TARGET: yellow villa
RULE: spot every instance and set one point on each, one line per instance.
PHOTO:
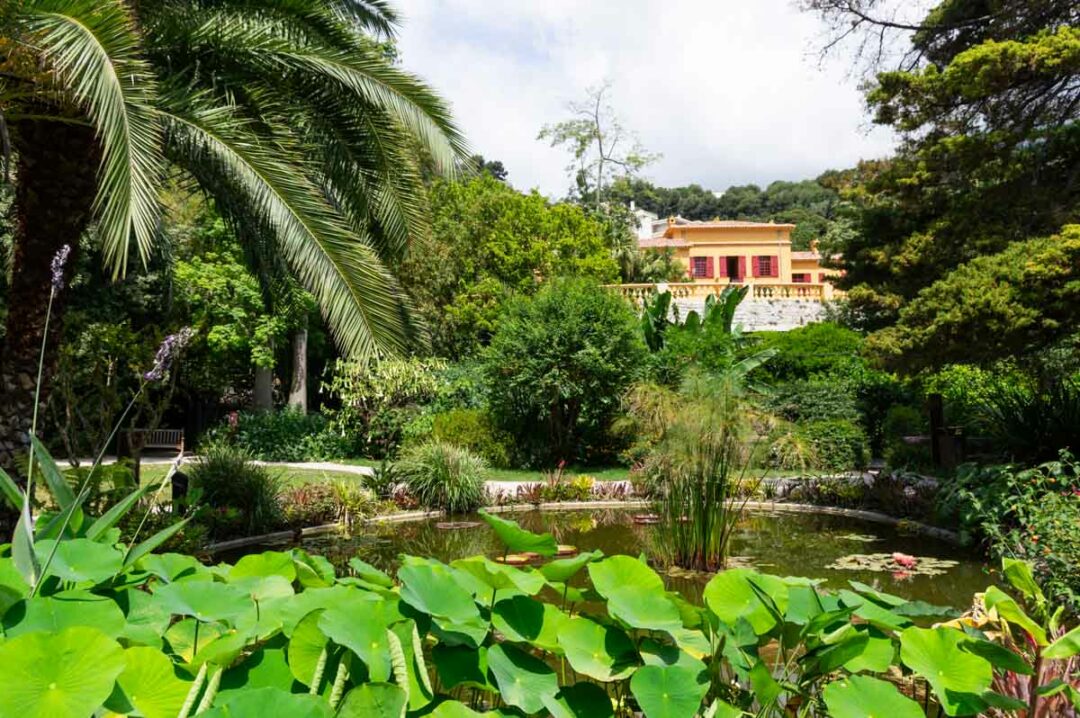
(753, 253)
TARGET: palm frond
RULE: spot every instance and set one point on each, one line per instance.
(93, 48)
(363, 304)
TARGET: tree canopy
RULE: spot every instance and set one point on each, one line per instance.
(489, 242)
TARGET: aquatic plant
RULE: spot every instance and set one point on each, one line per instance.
(282, 633)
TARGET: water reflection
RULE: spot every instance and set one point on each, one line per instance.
(782, 543)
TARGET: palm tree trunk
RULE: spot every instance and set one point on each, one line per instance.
(54, 195)
(298, 386)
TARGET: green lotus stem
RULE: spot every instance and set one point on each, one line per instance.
(195, 642)
(193, 693)
(338, 688)
(211, 691)
(316, 677)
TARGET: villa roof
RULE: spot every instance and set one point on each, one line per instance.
(724, 224)
(805, 256)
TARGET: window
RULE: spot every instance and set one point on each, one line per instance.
(766, 267)
(700, 266)
(801, 278)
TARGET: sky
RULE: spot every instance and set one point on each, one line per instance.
(727, 91)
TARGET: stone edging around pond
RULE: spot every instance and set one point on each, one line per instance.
(873, 516)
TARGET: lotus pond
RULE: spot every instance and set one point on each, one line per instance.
(835, 548)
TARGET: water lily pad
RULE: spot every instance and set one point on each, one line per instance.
(865, 697)
(861, 538)
(885, 562)
(69, 673)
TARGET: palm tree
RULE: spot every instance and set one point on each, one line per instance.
(291, 114)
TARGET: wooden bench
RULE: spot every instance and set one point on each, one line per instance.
(171, 439)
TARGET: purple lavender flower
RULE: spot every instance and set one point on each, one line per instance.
(58, 261)
(170, 348)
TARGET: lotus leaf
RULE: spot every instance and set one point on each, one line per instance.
(525, 620)
(204, 600)
(669, 691)
(729, 596)
(517, 539)
(150, 684)
(605, 653)
(264, 702)
(68, 673)
(957, 676)
(583, 700)
(523, 680)
(64, 610)
(865, 697)
(374, 700)
(81, 560)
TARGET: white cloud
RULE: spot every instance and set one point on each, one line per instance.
(728, 91)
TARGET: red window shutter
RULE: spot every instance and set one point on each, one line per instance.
(755, 266)
(775, 266)
(722, 269)
(742, 267)
(709, 267)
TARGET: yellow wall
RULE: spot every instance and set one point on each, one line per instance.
(747, 243)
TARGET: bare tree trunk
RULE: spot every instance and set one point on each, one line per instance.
(298, 387)
(55, 186)
(263, 395)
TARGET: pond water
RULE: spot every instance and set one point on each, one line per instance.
(782, 543)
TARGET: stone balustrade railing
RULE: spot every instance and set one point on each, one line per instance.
(638, 293)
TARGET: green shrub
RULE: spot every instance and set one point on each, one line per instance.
(1031, 512)
(902, 421)
(473, 429)
(813, 400)
(442, 476)
(285, 435)
(839, 444)
(819, 349)
(238, 498)
(557, 367)
(379, 399)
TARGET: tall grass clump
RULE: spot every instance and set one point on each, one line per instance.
(696, 464)
(241, 498)
(444, 477)
(1033, 423)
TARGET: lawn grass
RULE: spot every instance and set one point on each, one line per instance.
(290, 476)
(603, 473)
